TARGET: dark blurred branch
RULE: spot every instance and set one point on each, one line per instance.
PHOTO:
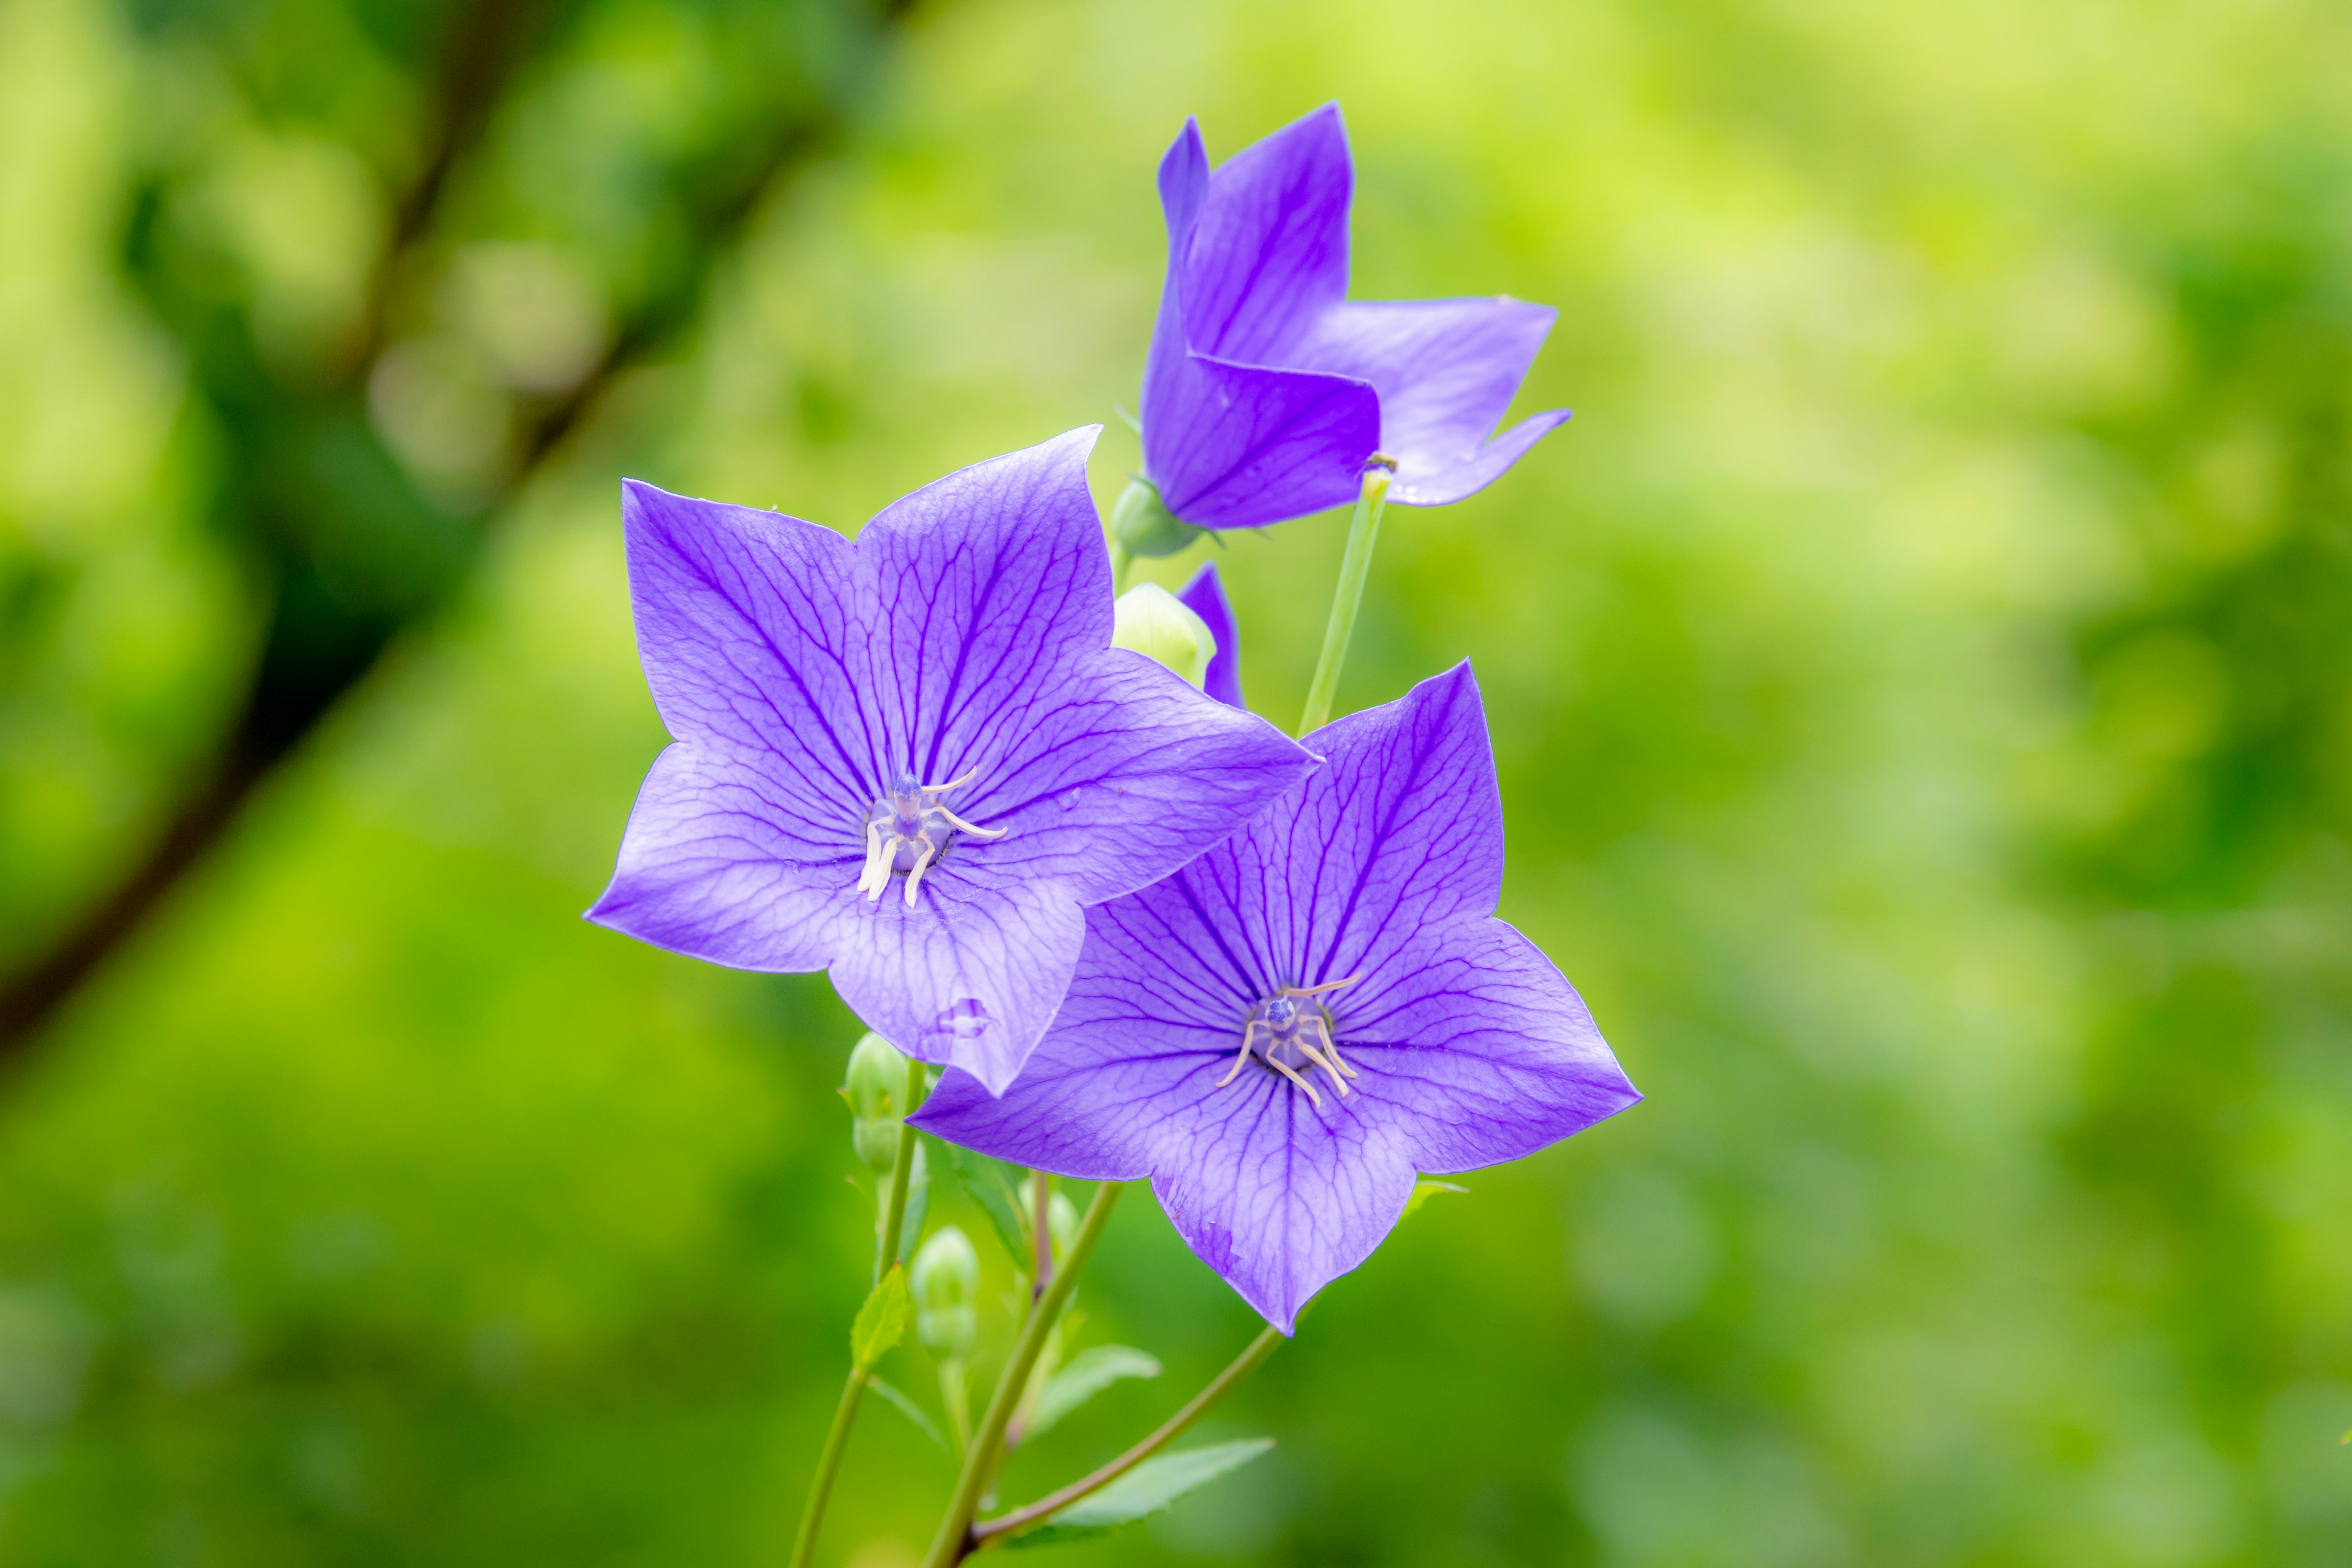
(334, 648)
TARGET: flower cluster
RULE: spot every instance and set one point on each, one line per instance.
(1144, 933)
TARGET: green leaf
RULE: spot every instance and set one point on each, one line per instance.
(906, 1408)
(1089, 1373)
(882, 1322)
(1422, 1190)
(1146, 1489)
(985, 1181)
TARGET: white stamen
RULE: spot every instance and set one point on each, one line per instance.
(1249, 1036)
(915, 877)
(1307, 1049)
(953, 784)
(1312, 1097)
(960, 825)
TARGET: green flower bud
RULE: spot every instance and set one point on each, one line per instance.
(1142, 526)
(1061, 1215)
(946, 1281)
(876, 1087)
(1158, 625)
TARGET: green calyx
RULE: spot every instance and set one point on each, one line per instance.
(1142, 527)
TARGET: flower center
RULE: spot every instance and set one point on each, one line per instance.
(1291, 1032)
(908, 832)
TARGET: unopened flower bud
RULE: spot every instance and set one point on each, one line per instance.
(946, 1282)
(876, 1088)
(1143, 526)
(1158, 625)
(1061, 1215)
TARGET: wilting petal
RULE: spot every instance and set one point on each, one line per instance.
(1204, 596)
(1446, 370)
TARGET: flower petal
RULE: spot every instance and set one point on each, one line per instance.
(990, 585)
(970, 976)
(1204, 596)
(1129, 775)
(751, 643)
(1476, 1046)
(1268, 253)
(1229, 442)
(1241, 446)
(1402, 827)
(1446, 370)
(717, 863)
(1278, 1195)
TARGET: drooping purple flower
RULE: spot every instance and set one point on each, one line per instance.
(1267, 391)
(1281, 1033)
(1204, 596)
(911, 760)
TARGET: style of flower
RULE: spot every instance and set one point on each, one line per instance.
(1204, 596)
(1284, 1032)
(1267, 391)
(912, 760)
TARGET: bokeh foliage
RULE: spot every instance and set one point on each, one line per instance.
(1917, 677)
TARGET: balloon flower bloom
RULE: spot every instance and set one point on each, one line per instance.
(913, 760)
(1267, 391)
(1281, 1035)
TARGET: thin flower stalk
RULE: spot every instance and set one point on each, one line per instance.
(844, 1415)
(1347, 596)
(990, 1533)
(954, 1541)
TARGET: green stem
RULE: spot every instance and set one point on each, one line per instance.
(1355, 566)
(955, 1537)
(828, 1465)
(1121, 563)
(894, 1221)
(894, 1217)
(989, 1531)
(1041, 1232)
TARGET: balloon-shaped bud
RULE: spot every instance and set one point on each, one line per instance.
(1158, 625)
(1061, 1214)
(946, 1281)
(1143, 526)
(876, 1091)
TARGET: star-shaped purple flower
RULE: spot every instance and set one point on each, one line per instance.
(1267, 391)
(1284, 1032)
(913, 759)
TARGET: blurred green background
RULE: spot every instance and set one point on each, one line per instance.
(1917, 675)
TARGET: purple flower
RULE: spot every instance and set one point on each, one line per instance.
(912, 760)
(1284, 1032)
(1266, 391)
(1204, 596)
